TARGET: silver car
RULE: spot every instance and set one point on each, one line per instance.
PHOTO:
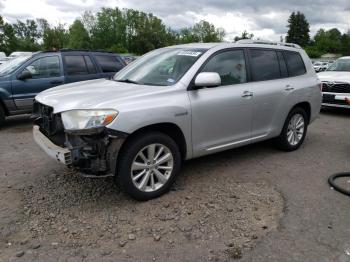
(175, 104)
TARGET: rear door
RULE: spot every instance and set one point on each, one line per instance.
(45, 72)
(109, 64)
(270, 86)
(79, 67)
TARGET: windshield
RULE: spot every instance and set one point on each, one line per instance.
(12, 65)
(162, 67)
(340, 65)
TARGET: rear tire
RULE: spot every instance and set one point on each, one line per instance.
(2, 116)
(148, 165)
(294, 130)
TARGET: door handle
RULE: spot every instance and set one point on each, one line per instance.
(247, 94)
(57, 82)
(289, 88)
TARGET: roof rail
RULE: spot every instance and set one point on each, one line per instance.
(76, 50)
(266, 42)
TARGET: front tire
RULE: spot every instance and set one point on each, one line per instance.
(148, 165)
(294, 130)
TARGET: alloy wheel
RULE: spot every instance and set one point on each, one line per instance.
(152, 167)
(296, 129)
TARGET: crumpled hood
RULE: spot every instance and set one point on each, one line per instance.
(99, 93)
(334, 76)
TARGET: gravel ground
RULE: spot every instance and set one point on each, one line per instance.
(48, 213)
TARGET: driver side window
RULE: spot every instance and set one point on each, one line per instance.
(44, 67)
(230, 65)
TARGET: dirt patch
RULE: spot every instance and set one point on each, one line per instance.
(220, 219)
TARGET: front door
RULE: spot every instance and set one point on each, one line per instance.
(221, 116)
(42, 73)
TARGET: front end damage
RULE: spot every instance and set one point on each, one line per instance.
(93, 152)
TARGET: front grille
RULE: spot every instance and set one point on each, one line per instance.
(50, 124)
(335, 87)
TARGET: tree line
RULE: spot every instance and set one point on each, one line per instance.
(325, 41)
(133, 31)
(110, 29)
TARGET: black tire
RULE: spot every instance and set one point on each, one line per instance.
(130, 151)
(281, 141)
(2, 117)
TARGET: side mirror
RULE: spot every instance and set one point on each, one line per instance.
(25, 74)
(207, 79)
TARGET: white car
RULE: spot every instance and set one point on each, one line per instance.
(320, 66)
(336, 83)
(19, 53)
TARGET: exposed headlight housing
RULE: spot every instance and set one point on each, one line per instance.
(85, 119)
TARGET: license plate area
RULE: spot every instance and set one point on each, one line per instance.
(328, 98)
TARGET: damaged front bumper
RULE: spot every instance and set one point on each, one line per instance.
(62, 155)
(92, 152)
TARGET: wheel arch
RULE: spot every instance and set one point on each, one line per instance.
(167, 128)
(306, 106)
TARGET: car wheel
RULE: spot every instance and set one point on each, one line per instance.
(294, 130)
(148, 165)
(2, 116)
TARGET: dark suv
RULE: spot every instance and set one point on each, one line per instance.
(24, 77)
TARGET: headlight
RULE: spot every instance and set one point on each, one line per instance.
(85, 119)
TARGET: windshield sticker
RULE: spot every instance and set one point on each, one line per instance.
(170, 80)
(189, 53)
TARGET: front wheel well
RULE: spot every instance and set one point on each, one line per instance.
(170, 129)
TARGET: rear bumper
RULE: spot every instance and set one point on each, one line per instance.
(60, 154)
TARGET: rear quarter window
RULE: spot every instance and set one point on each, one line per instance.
(295, 63)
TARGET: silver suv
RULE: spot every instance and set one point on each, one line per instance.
(178, 103)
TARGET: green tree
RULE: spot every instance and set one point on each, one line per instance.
(202, 31)
(78, 36)
(55, 38)
(298, 29)
(244, 35)
(27, 35)
(8, 40)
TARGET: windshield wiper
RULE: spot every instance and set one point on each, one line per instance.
(128, 81)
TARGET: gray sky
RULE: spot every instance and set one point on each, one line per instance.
(266, 19)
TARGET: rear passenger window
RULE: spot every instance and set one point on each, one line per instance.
(108, 63)
(264, 64)
(295, 63)
(75, 65)
(230, 65)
